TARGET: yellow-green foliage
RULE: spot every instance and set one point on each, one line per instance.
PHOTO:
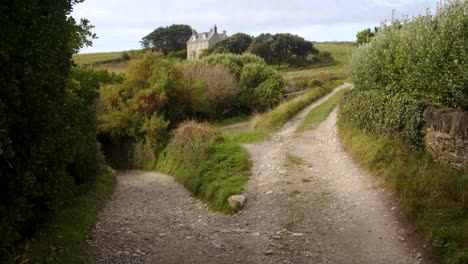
(275, 119)
(209, 165)
(433, 195)
(137, 107)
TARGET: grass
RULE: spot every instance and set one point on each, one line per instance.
(233, 120)
(293, 160)
(433, 195)
(211, 166)
(273, 120)
(63, 240)
(320, 113)
(90, 58)
(341, 52)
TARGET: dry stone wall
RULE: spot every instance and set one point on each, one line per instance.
(447, 135)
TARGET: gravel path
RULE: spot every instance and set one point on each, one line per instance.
(323, 209)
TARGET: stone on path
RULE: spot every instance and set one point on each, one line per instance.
(235, 200)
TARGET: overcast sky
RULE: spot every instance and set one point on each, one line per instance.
(120, 24)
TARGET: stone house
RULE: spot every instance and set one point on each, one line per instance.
(200, 41)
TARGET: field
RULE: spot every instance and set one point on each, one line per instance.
(341, 52)
(98, 58)
(90, 58)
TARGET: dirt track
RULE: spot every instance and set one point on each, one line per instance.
(325, 209)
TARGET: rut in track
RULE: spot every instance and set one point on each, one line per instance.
(325, 209)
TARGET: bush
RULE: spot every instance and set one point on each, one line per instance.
(214, 90)
(124, 56)
(314, 82)
(379, 113)
(251, 72)
(268, 94)
(424, 57)
(181, 54)
(233, 63)
(48, 148)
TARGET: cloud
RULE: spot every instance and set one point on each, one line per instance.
(122, 21)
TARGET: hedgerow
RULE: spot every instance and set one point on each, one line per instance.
(409, 64)
(48, 148)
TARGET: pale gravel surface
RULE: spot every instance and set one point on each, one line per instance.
(326, 210)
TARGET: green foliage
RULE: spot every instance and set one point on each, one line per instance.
(366, 35)
(433, 195)
(233, 63)
(48, 148)
(139, 107)
(268, 94)
(279, 47)
(210, 166)
(261, 86)
(63, 240)
(408, 65)
(167, 39)
(425, 57)
(376, 112)
(181, 54)
(237, 44)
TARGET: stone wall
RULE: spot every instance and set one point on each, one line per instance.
(447, 135)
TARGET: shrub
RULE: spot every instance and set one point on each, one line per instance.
(425, 56)
(124, 56)
(233, 63)
(48, 149)
(379, 113)
(253, 74)
(314, 82)
(213, 89)
(268, 94)
(408, 65)
(181, 54)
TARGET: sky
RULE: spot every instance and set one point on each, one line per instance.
(121, 24)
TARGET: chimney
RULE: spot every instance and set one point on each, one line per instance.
(211, 29)
(216, 29)
(194, 32)
(224, 32)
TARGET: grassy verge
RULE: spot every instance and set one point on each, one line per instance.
(432, 194)
(64, 238)
(211, 166)
(320, 113)
(233, 120)
(273, 120)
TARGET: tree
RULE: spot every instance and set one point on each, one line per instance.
(167, 39)
(279, 47)
(366, 35)
(261, 46)
(47, 133)
(237, 44)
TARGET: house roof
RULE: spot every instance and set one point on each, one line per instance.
(205, 36)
